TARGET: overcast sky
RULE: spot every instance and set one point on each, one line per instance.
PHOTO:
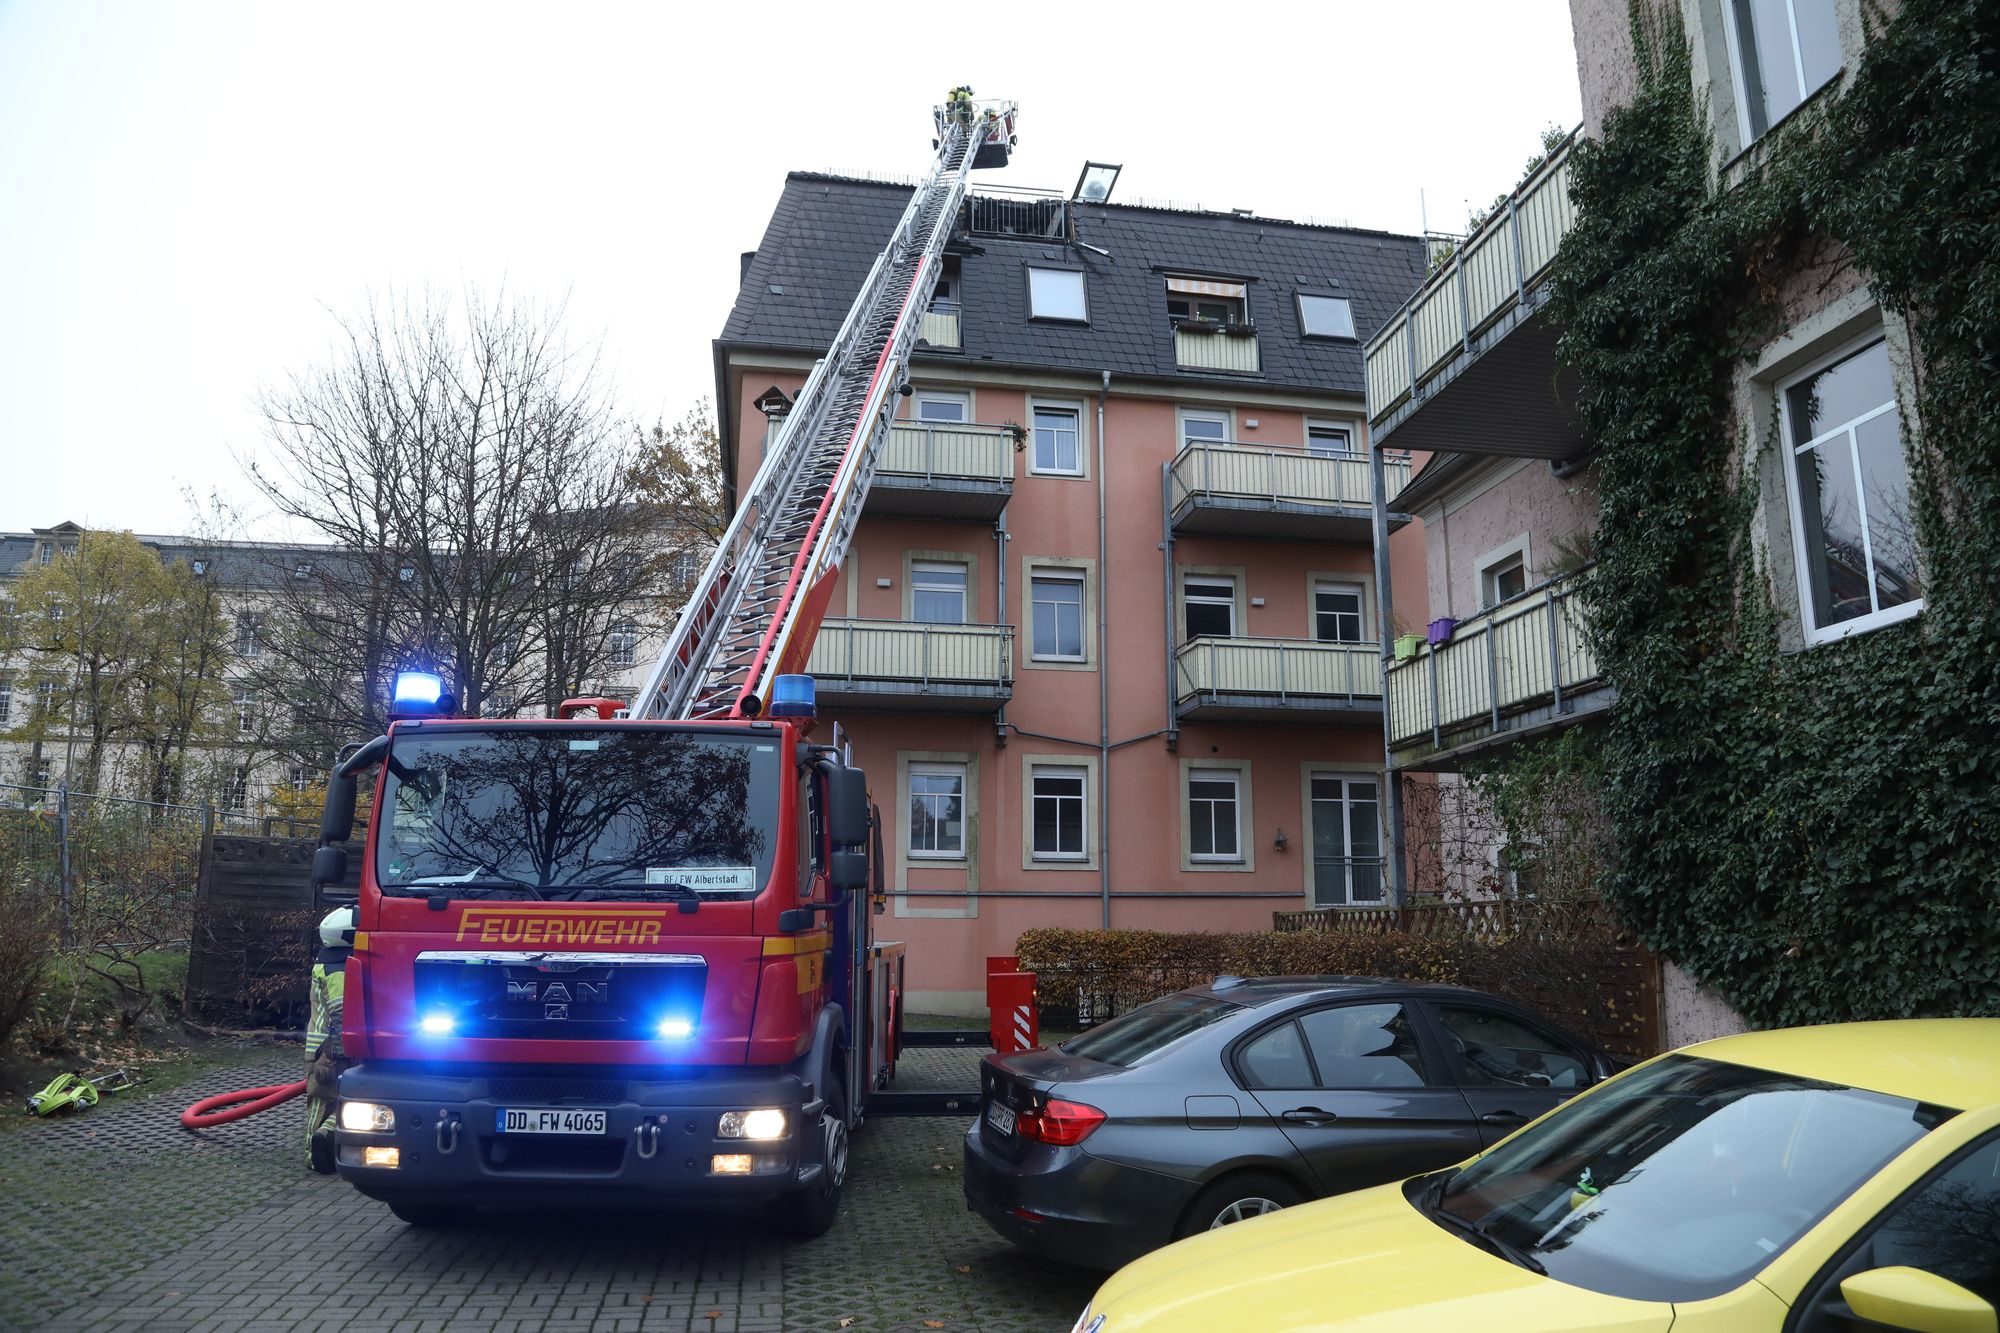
(188, 190)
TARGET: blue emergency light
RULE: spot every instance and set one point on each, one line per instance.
(417, 689)
(794, 696)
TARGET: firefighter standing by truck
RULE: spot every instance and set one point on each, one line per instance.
(324, 1059)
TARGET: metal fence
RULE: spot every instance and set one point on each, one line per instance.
(117, 871)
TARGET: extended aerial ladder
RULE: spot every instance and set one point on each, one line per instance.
(757, 609)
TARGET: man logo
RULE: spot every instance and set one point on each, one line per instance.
(559, 992)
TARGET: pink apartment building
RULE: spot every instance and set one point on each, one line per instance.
(1108, 641)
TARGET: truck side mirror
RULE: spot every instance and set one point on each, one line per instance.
(847, 807)
(336, 821)
(847, 872)
(329, 869)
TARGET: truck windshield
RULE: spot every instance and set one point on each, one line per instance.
(574, 812)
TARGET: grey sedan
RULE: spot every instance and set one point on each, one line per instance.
(1237, 1098)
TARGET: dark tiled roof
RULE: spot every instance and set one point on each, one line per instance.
(827, 230)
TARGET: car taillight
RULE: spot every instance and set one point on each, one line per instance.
(1064, 1124)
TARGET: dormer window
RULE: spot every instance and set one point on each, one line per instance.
(200, 568)
(1207, 301)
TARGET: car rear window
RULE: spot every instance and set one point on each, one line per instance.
(1142, 1034)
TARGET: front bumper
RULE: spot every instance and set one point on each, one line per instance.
(658, 1144)
(1064, 1204)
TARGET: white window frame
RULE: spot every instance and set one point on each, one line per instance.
(1305, 323)
(245, 705)
(1207, 416)
(250, 631)
(238, 795)
(1322, 584)
(920, 568)
(621, 644)
(1238, 778)
(1189, 597)
(945, 877)
(932, 769)
(1311, 772)
(6, 698)
(1346, 431)
(925, 397)
(1814, 633)
(1082, 293)
(1494, 562)
(1037, 406)
(1060, 574)
(1058, 769)
(1747, 114)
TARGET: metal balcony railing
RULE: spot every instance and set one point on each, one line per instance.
(1232, 352)
(948, 449)
(939, 326)
(1283, 669)
(1527, 651)
(1492, 273)
(919, 654)
(1281, 475)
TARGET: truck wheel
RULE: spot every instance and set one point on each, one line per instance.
(321, 1151)
(810, 1212)
(427, 1216)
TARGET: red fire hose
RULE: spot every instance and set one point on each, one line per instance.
(227, 1106)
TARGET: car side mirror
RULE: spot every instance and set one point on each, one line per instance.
(847, 807)
(847, 872)
(336, 820)
(1913, 1299)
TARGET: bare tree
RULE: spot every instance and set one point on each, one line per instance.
(467, 466)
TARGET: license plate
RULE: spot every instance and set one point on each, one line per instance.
(1000, 1117)
(547, 1121)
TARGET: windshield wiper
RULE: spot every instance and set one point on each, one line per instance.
(626, 889)
(469, 886)
(1506, 1249)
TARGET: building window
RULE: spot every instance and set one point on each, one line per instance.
(1205, 299)
(1059, 814)
(1783, 51)
(1337, 613)
(48, 553)
(302, 570)
(937, 592)
(505, 649)
(300, 779)
(946, 407)
(1857, 539)
(244, 703)
(406, 573)
(502, 704)
(1503, 576)
(686, 567)
(1204, 427)
(624, 643)
(45, 698)
(1214, 829)
(1346, 840)
(1057, 617)
(238, 795)
(937, 811)
(1329, 441)
(1058, 441)
(249, 634)
(1325, 316)
(1056, 293)
(1208, 608)
(39, 772)
(200, 567)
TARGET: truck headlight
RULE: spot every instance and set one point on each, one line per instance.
(765, 1123)
(366, 1118)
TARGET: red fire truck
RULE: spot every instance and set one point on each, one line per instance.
(627, 957)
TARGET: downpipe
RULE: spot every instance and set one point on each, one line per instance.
(1103, 681)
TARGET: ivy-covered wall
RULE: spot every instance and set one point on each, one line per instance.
(1814, 833)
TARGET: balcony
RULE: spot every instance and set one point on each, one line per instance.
(937, 469)
(1276, 680)
(1229, 349)
(896, 665)
(1238, 490)
(1468, 364)
(939, 326)
(1519, 670)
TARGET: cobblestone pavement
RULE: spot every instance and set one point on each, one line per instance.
(120, 1219)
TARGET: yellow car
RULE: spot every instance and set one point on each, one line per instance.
(1817, 1180)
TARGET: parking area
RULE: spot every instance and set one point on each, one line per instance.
(121, 1219)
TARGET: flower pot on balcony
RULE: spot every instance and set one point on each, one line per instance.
(1198, 326)
(1241, 330)
(1407, 645)
(1440, 630)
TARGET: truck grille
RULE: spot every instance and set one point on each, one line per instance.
(556, 1091)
